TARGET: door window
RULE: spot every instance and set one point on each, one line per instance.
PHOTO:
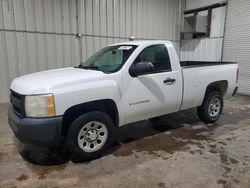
(157, 55)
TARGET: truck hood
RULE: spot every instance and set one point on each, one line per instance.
(46, 81)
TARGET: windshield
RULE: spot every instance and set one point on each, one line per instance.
(109, 59)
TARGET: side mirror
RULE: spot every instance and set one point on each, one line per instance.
(141, 68)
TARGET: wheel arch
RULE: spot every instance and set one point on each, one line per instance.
(107, 106)
(221, 86)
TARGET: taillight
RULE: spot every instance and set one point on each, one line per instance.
(237, 75)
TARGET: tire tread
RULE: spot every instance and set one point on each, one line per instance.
(202, 111)
(79, 155)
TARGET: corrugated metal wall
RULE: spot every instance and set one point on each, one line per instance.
(201, 49)
(35, 36)
(192, 4)
(206, 49)
(111, 21)
(237, 40)
(38, 35)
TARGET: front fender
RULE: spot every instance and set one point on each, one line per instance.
(86, 92)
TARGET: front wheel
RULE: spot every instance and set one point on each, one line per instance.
(90, 135)
(211, 108)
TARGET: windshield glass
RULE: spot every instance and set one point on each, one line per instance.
(109, 59)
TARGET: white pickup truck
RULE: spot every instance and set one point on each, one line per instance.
(120, 84)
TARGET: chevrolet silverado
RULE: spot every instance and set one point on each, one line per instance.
(121, 84)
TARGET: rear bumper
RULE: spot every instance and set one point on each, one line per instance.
(37, 131)
(235, 91)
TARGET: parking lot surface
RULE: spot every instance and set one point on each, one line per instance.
(178, 150)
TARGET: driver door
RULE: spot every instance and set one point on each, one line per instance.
(153, 93)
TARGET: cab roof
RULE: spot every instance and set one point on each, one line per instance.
(143, 42)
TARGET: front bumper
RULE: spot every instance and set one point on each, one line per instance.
(37, 131)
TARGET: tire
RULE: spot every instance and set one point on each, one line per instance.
(211, 108)
(89, 136)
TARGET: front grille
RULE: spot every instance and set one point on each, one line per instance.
(17, 102)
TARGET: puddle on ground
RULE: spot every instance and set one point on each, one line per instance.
(227, 171)
(224, 158)
(47, 160)
(161, 184)
(156, 143)
(44, 171)
(42, 176)
(22, 177)
(222, 143)
(234, 161)
(183, 128)
(42, 155)
(222, 182)
(170, 143)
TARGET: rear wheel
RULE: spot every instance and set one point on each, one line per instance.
(90, 135)
(211, 108)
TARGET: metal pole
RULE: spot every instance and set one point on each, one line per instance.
(79, 35)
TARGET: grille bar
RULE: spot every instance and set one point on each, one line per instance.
(17, 102)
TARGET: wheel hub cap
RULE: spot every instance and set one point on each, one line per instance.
(91, 135)
(214, 107)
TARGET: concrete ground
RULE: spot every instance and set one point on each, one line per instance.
(177, 151)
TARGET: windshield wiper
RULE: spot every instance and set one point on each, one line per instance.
(87, 67)
(90, 68)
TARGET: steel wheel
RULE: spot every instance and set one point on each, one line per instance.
(92, 136)
(211, 107)
(214, 107)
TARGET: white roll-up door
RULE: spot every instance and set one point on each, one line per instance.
(237, 40)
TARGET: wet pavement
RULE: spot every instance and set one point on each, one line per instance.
(177, 150)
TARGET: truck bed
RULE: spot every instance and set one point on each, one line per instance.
(197, 75)
(190, 64)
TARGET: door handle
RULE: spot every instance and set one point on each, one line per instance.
(169, 81)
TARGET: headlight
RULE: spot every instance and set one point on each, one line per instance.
(40, 106)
